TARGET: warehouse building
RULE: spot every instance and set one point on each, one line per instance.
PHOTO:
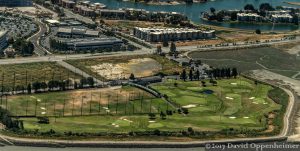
(76, 33)
(93, 44)
(171, 34)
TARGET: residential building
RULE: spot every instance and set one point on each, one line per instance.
(249, 17)
(67, 3)
(283, 18)
(171, 34)
(84, 11)
(3, 40)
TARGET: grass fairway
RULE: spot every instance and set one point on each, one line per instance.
(15, 74)
(109, 101)
(234, 103)
(122, 67)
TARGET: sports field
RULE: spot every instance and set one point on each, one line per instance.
(20, 75)
(106, 101)
(233, 103)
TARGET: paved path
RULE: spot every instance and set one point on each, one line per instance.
(78, 71)
(35, 39)
(294, 86)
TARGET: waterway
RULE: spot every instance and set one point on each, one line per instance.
(193, 11)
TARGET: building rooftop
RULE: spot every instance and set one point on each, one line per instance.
(169, 30)
(65, 30)
(92, 32)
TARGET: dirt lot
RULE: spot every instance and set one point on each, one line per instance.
(139, 67)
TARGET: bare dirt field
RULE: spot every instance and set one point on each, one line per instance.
(139, 67)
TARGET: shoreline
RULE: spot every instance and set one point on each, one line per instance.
(292, 3)
(7, 140)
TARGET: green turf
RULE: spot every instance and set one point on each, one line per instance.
(213, 112)
(14, 75)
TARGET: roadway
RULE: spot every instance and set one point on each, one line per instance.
(35, 39)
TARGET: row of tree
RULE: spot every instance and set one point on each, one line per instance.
(215, 73)
(52, 85)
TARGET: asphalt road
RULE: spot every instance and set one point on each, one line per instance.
(35, 39)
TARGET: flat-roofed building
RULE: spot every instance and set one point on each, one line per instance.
(67, 3)
(248, 17)
(84, 11)
(109, 13)
(93, 44)
(171, 34)
(3, 40)
(282, 18)
(76, 32)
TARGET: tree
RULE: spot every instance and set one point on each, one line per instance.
(131, 77)
(151, 116)
(165, 43)
(90, 81)
(233, 16)
(249, 7)
(212, 10)
(234, 72)
(29, 88)
(220, 16)
(158, 49)
(191, 75)
(162, 115)
(173, 48)
(11, 40)
(258, 31)
(266, 7)
(183, 75)
(197, 75)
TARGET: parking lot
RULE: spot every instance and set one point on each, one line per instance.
(17, 25)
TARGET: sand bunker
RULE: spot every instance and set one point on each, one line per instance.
(151, 121)
(139, 67)
(189, 106)
(252, 98)
(127, 120)
(245, 117)
(229, 98)
(43, 108)
(233, 83)
(232, 117)
(254, 102)
(43, 112)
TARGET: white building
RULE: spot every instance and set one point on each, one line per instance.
(76, 33)
(283, 18)
(248, 17)
(3, 40)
